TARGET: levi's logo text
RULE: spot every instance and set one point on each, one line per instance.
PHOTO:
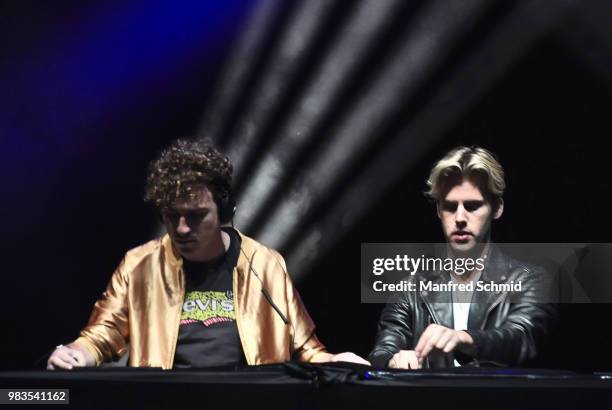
(208, 308)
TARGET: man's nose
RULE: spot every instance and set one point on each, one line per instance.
(460, 216)
(182, 227)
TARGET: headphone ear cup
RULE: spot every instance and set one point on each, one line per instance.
(227, 208)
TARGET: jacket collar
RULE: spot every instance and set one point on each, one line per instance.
(175, 260)
(248, 248)
(247, 251)
(496, 265)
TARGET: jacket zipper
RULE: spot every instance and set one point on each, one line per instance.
(490, 309)
(431, 313)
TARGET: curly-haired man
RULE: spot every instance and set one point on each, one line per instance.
(204, 294)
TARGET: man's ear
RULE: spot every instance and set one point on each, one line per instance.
(500, 209)
(438, 210)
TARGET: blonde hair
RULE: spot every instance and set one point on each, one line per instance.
(469, 162)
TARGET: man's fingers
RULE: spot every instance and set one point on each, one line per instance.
(353, 358)
(451, 344)
(423, 340)
(439, 338)
(348, 357)
(430, 343)
(425, 337)
(444, 339)
(57, 363)
(66, 358)
(404, 359)
(409, 359)
(79, 358)
(426, 349)
(413, 361)
(396, 361)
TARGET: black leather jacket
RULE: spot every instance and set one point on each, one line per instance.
(505, 332)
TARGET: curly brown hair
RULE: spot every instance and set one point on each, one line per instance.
(187, 163)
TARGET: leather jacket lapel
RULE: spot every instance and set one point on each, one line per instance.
(496, 271)
(439, 304)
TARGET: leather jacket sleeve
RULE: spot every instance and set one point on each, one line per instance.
(518, 339)
(395, 333)
(527, 323)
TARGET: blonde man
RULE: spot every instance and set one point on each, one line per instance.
(478, 327)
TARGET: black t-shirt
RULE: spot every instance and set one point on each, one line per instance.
(208, 335)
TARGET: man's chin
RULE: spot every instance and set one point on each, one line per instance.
(463, 246)
(186, 247)
(467, 248)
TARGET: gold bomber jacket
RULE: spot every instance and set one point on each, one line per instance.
(143, 301)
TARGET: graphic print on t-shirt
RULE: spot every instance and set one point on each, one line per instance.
(208, 308)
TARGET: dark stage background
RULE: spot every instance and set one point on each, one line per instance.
(333, 111)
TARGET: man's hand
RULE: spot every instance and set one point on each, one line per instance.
(348, 357)
(67, 357)
(442, 339)
(404, 359)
